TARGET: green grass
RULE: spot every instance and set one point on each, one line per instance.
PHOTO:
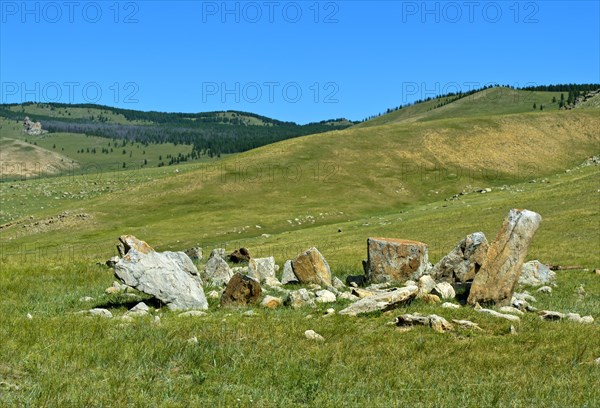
(494, 101)
(390, 180)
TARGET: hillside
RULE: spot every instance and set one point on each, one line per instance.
(433, 180)
(316, 181)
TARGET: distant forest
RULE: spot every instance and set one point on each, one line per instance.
(210, 133)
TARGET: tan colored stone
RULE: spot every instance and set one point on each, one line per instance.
(395, 260)
(311, 267)
(495, 282)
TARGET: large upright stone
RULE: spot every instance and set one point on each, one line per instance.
(171, 277)
(395, 260)
(496, 280)
(464, 261)
(311, 267)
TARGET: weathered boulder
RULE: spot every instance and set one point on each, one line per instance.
(444, 290)
(112, 261)
(171, 277)
(325, 296)
(494, 313)
(239, 255)
(495, 282)
(437, 323)
(382, 301)
(395, 260)
(464, 261)
(262, 268)
(299, 298)
(217, 271)
(426, 285)
(311, 267)
(241, 290)
(312, 335)
(288, 274)
(535, 273)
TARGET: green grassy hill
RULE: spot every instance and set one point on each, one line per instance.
(399, 177)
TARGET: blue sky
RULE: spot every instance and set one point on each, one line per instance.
(296, 61)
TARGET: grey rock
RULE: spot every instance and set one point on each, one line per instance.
(217, 271)
(288, 274)
(467, 325)
(325, 296)
(312, 335)
(448, 305)
(100, 312)
(494, 313)
(444, 290)
(338, 284)
(535, 273)
(299, 298)
(192, 313)
(464, 261)
(511, 310)
(545, 289)
(262, 268)
(382, 301)
(171, 277)
(220, 252)
(437, 323)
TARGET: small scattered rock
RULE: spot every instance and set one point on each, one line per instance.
(448, 305)
(193, 340)
(512, 330)
(271, 302)
(86, 299)
(262, 268)
(338, 284)
(545, 289)
(494, 313)
(444, 290)
(430, 298)
(240, 255)
(312, 335)
(299, 298)
(467, 325)
(511, 310)
(535, 273)
(192, 313)
(194, 253)
(217, 271)
(29, 316)
(99, 312)
(325, 296)
(437, 323)
(213, 294)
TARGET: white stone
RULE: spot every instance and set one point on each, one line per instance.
(312, 335)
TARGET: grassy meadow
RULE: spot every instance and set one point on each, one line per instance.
(395, 177)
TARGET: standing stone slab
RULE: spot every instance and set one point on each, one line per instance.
(464, 261)
(496, 280)
(171, 277)
(311, 267)
(395, 260)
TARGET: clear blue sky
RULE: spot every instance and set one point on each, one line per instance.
(297, 61)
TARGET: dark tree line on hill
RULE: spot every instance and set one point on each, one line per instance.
(210, 133)
(574, 90)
